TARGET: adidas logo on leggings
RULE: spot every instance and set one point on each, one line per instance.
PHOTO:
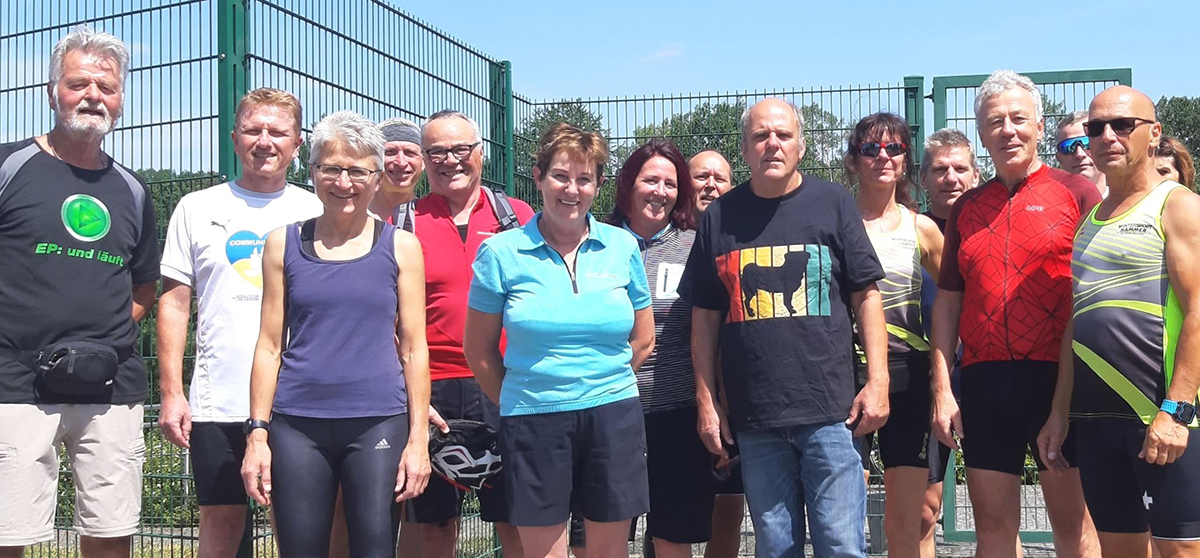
(383, 444)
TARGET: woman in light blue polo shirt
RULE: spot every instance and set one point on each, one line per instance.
(571, 295)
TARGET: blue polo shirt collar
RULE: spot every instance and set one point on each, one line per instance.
(532, 239)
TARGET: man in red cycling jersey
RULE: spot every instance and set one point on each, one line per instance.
(1005, 289)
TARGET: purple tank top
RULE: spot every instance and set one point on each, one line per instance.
(340, 358)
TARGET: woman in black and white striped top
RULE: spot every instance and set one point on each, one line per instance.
(655, 201)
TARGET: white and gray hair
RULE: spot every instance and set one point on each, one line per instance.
(746, 119)
(359, 134)
(1003, 80)
(946, 138)
(1077, 117)
(448, 113)
(85, 39)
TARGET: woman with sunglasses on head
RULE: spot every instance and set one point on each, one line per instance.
(570, 293)
(341, 364)
(1174, 162)
(880, 161)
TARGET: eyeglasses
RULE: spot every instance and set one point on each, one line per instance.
(334, 172)
(460, 152)
(871, 149)
(1120, 126)
(1069, 145)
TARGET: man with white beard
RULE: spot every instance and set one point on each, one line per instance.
(78, 241)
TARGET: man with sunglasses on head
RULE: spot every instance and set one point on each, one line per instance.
(1006, 280)
(1071, 150)
(1136, 329)
(451, 222)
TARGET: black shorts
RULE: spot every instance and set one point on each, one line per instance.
(1127, 495)
(590, 460)
(905, 439)
(217, 450)
(442, 502)
(682, 480)
(732, 484)
(1004, 406)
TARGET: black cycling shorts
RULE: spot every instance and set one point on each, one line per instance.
(1127, 495)
(1004, 406)
(217, 450)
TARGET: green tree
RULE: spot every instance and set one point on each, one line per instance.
(530, 130)
(1180, 117)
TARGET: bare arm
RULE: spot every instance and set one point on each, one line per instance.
(413, 474)
(174, 311)
(870, 408)
(143, 299)
(712, 423)
(931, 245)
(947, 420)
(641, 337)
(481, 345)
(1166, 439)
(1054, 432)
(264, 371)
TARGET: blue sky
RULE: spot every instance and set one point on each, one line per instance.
(622, 47)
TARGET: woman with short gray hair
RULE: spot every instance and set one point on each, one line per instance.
(332, 404)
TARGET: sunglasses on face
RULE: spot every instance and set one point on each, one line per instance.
(1069, 145)
(1120, 126)
(871, 149)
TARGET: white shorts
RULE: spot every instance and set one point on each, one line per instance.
(105, 447)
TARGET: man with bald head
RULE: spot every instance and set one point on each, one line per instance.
(712, 176)
(1136, 366)
(773, 301)
(1071, 150)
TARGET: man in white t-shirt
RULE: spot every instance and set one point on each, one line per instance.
(214, 246)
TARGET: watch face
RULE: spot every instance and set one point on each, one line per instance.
(1186, 413)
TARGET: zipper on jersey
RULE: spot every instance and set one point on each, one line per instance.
(572, 269)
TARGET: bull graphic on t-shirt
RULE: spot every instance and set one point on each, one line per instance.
(785, 279)
(765, 282)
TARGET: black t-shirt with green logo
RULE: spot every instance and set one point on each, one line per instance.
(73, 242)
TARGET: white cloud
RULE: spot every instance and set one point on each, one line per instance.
(667, 51)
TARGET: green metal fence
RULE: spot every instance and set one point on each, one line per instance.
(700, 121)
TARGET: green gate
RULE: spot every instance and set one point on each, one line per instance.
(954, 107)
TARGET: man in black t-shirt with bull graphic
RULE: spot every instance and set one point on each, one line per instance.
(778, 265)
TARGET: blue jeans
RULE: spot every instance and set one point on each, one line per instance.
(786, 470)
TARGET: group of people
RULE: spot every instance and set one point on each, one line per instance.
(704, 342)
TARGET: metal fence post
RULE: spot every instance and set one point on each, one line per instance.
(510, 132)
(914, 112)
(232, 16)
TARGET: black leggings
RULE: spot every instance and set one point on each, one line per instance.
(310, 457)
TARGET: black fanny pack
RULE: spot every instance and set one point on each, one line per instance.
(74, 367)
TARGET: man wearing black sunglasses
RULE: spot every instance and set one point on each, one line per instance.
(1136, 267)
(1071, 150)
(1006, 280)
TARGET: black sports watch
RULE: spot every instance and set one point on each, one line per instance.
(1182, 411)
(251, 424)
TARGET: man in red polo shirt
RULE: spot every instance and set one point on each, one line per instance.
(451, 222)
(1005, 289)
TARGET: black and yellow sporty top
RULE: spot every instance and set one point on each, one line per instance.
(899, 251)
(1127, 318)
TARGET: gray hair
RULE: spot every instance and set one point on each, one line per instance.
(448, 113)
(353, 129)
(1003, 80)
(85, 39)
(946, 138)
(1077, 117)
(746, 119)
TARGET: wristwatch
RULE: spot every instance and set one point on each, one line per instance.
(1182, 411)
(251, 424)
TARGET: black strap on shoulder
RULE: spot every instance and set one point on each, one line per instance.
(403, 217)
(307, 234)
(505, 216)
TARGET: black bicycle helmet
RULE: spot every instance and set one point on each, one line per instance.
(467, 456)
